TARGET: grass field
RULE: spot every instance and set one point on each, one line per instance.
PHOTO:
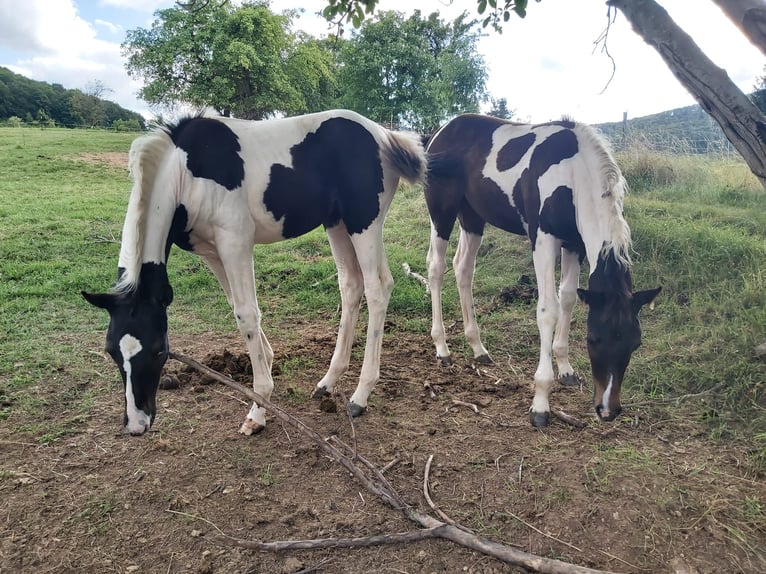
(699, 230)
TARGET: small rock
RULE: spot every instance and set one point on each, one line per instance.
(196, 533)
(131, 568)
(760, 350)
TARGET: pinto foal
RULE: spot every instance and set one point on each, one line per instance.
(217, 186)
(558, 184)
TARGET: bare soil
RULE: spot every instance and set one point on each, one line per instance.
(647, 493)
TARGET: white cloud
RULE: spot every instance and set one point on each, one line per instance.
(58, 46)
(113, 28)
(137, 5)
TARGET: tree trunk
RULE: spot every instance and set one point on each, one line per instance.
(741, 121)
(749, 16)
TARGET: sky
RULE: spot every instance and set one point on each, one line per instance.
(545, 65)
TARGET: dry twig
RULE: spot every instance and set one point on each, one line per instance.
(568, 419)
(428, 496)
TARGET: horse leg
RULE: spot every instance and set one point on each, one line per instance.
(464, 263)
(378, 284)
(351, 284)
(217, 268)
(544, 258)
(437, 252)
(570, 279)
(236, 265)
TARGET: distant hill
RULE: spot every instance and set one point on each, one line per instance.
(25, 101)
(682, 130)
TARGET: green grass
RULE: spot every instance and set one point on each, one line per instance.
(699, 229)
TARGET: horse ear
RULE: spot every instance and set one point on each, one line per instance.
(591, 298)
(101, 300)
(641, 298)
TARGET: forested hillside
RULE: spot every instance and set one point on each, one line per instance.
(682, 130)
(25, 101)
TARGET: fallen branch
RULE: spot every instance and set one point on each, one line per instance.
(431, 528)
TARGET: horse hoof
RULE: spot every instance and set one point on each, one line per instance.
(539, 420)
(445, 361)
(355, 410)
(320, 393)
(250, 427)
(570, 380)
(483, 360)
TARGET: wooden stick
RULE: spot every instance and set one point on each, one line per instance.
(391, 497)
(428, 496)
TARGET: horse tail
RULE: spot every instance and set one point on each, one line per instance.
(613, 188)
(146, 156)
(404, 152)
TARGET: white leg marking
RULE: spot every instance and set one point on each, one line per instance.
(544, 257)
(351, 285)
(570, 278)
(138, 420)
(378, 285)
(436, 267)
(465, 265)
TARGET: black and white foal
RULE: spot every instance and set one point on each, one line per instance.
(217, 186)
(558, 184)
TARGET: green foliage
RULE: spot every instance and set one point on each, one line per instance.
(356, 11)
(500, 109)
(46, 105)
(241, 60)
(413, 71)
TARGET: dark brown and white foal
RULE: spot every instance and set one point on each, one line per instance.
(558, 184)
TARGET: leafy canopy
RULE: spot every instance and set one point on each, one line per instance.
(356, 11)
(413, 71)
(240, 60)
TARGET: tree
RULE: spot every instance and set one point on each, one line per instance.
(500, 109)
(240, 60)
(741, 120)
(412, 71)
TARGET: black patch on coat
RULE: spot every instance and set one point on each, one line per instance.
(456, 187)
(512, 152)
(178, 232)
(336, 175)
(211, 150)
(558, 218)
(526, 193)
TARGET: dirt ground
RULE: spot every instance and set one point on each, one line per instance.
(648, 493)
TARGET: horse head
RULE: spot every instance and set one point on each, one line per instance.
(137, 341)
(614, 333)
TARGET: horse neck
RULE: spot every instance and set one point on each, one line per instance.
(611, 274)
(150, 209)
(599, 191)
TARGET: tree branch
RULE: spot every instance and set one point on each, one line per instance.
(431, 528)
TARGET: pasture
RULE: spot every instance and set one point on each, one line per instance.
(676, 481)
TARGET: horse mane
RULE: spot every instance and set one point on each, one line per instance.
(613, 188)
(145, 158)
